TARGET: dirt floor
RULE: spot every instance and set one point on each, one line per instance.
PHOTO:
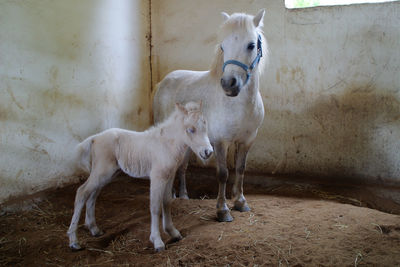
(290, 224)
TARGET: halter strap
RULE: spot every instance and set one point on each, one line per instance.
(247, 69)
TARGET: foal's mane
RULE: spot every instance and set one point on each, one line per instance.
(238, 22)
(192, 108)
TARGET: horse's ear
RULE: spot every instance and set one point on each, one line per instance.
(181, 108)
(225, 16)
(258, 19)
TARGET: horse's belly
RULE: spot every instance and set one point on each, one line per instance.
(230, 129)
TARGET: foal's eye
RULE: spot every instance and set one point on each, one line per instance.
(251, 46)
(191, 130)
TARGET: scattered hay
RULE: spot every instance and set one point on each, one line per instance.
(341, 226)
(339, 198)
(358, 259)
(378, 226)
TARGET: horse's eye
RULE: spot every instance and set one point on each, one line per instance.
(251, 46)
(191, 130)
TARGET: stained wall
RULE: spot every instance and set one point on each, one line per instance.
(331, 91)
(68, 69)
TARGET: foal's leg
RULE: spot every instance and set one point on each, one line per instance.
(240, 203)
(157, 191)
(181, 174)
(223, 214)
(82, 194)
(168, 226)
(97, 179)
(90, 219)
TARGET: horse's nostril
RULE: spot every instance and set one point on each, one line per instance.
(207, 153)
(223, 83)
(233, 82)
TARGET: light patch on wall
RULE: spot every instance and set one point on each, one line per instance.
(313, 3)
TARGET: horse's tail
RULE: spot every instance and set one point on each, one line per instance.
(83, 155)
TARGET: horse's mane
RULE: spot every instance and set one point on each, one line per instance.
(238, 22)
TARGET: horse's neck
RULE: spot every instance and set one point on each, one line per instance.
(249, 94)
(253, 87)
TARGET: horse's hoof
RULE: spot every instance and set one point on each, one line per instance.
(239, 206)
(159, 249)
(224, 216)
(175, 239)
(76, 247)
(183, 196)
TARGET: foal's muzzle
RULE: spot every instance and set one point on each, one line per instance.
(206, 153)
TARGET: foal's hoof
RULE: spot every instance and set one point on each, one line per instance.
(76, 247)
(95, 231)
(159, 249)
(224, 216)
(99, 233)
(242, 207)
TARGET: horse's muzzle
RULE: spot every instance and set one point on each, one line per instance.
(231, 86)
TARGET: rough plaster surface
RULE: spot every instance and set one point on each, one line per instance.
(68, 69)
(331, 91)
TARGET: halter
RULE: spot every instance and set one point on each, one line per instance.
(247, 69)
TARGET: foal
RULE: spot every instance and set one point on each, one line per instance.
(156, 153)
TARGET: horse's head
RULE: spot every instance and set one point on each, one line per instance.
(242, 49)
(195, 126)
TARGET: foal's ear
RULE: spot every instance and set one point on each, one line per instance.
(201, 105)
(181, 108)
(258, 19)
(225, 16)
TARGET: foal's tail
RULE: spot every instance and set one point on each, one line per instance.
(83, 155)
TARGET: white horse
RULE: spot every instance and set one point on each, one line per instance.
(157, 153)
(232, 102)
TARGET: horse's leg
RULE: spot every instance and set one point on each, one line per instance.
(158, 184)
(181, 174)
(223, 214)
(240, 203)
(90, 219)
(168, 226)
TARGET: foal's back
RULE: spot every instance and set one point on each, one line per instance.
(129, 150)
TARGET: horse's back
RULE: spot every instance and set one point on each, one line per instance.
(177, 87)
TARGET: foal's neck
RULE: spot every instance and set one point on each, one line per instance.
(170, 133)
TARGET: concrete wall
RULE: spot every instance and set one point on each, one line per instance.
(68, 69)
(331, 91)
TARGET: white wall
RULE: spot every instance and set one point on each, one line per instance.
(68, 69)
(331, 91)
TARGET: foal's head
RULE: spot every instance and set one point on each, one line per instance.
(195, 127)
(242, 47)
